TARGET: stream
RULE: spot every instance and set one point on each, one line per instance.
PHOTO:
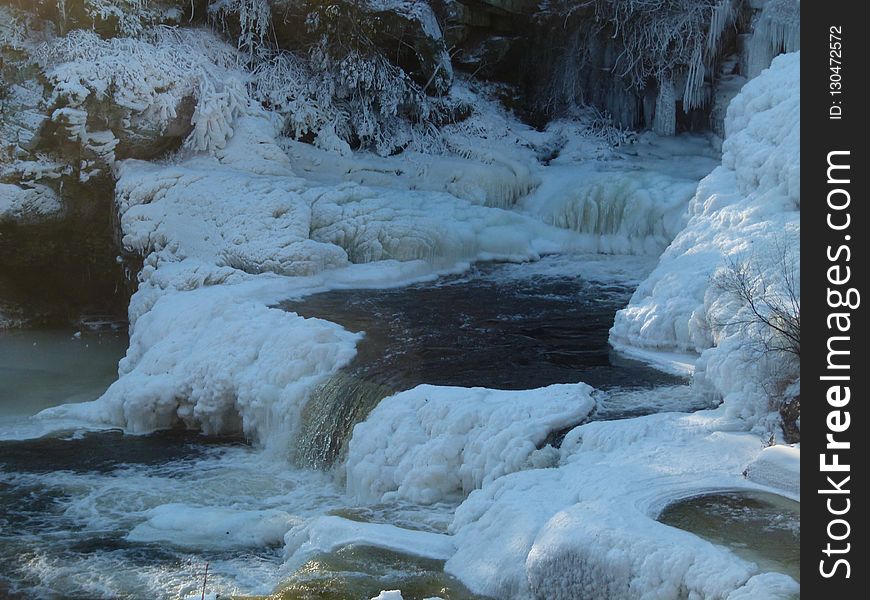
(74, 498)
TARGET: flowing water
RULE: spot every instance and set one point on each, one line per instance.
(488, 328)
(101, 514)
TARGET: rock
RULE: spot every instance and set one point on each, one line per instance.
(110, 17)
(790, 412)
(57, 257)
(404, 31)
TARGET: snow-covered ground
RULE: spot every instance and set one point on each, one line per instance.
(242, 218)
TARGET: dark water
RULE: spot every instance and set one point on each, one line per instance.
(478, 329)
(105, 451)
(759, 527)
(483, 330)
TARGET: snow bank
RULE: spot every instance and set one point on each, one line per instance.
(373, 224)
(499, 181)
(432, 443)
(245, 210)
(744, 209)
(212, 528)
(206, 210)
(587, 528)
(778, 467)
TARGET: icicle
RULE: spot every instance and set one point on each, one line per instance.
(254, 18)
(693, 94)
(723, 15)
(665, 121)
(61, 9)
(777, 29)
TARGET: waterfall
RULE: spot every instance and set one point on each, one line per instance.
(333, 409)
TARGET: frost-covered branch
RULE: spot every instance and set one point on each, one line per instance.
(149, 77)
(769, 293)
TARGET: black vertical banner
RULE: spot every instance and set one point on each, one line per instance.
(835, 168)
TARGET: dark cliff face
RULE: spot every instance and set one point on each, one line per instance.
(61, 269)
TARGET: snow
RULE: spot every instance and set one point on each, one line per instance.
(588, 527)
(205, 348)
(433, 443)
(238, 221)
(779, 467)
(212, 528)
(215, 231)
(148, 78)
(27, 203)
(220, 363)
(497, 181)
(616, 212)
(389, 595)
(200, 211)
(774, 586)
(746, 207)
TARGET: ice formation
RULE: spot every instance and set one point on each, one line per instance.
(328, 533)
(778, 466)
(213, 528)
(620, 212)
(777, 29)
(215, 360)
(201, 222)
(744, 208)
(589, 524)
(148, 78)
(494, 180)
(433, 443)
